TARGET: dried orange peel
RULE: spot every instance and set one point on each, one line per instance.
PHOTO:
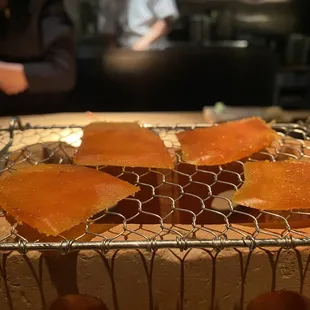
(225, 143)
(122, 144)
(282, 185)
(55, 198)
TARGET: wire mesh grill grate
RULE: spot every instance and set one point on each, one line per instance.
(181, 208)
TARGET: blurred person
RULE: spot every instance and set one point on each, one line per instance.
(37, 50)
(137, 24)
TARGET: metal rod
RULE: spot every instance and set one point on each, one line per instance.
(68, 246)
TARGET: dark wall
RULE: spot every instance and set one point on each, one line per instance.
(302, 11)
(172, 80)
(177, 79)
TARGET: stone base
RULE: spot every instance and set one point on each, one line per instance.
(168, 279)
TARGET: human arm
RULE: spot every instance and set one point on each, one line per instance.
(166, 12)
(55, 72)
(159, 29)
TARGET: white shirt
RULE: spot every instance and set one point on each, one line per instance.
(134, 18)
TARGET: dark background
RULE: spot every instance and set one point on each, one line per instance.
(243, 53)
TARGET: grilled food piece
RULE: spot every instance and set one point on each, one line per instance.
(225, 143)
(55, 198)
(280, 185)
(122, 144)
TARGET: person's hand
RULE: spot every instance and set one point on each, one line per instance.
(141, 45)
(12, 78)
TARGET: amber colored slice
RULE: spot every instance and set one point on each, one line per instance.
(282, 185)
(225, 143)
(122, 144)
(55, 198)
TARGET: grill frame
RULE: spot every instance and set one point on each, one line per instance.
(288, 238)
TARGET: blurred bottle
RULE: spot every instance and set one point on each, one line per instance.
(297, 51)
(200, 26)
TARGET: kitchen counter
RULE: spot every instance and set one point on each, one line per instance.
(159, 118)
(62, 119)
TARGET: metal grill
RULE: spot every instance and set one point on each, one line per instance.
(188, 207)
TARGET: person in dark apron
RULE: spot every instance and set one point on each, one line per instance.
(37, 55)
(142, 24)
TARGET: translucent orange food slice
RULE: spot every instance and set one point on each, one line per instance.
(280, 185)
(122, 144)
(225, 143)
(55, 198)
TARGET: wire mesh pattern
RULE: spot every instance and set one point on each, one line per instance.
(181, 208)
